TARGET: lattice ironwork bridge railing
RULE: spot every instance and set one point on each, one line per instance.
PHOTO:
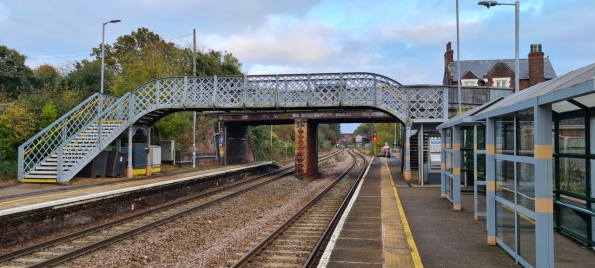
(62, 149)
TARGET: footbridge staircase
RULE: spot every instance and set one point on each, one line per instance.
(60, 151)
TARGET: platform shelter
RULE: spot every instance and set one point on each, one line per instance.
(534, 152)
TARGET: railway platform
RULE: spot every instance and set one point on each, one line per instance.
(25, 197)
(28, 211)
(396, 223)
(390, 222)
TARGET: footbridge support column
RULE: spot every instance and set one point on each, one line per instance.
(407, 172)
(129, 168)
(306, 148)
(236, 145)
(148, 150)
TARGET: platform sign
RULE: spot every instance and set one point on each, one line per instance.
(221, 151)
(386, 148)
(220, 140)
(435, 145)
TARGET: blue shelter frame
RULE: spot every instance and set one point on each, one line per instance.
(528, 154)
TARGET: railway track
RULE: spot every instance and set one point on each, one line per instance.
(299, 241)
(61, 249)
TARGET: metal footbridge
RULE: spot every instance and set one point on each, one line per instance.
(60, 151)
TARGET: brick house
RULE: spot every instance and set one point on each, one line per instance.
(498, 73)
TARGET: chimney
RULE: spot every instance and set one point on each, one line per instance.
(448, 55)
(536, 72)
(448, 58)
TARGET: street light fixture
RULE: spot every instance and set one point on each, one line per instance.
(103, 50)
(516, 5)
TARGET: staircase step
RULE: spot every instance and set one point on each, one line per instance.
(54, 158)
(83, 142)
(30, 176)
(53, 164)
(94, 129)
(50, 168)
(80, 146)
(43, 172)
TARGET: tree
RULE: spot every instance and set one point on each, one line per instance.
(365, 128)
(285, 132)
(177, 126)
(86, 77)
(258, 138)
(134, 45)
(49, 114)
(15, 77)
(17, 124)
(47, 76)
(214, 62)
(336, 127)
(386, 134)
(137, 71)
(329, 134)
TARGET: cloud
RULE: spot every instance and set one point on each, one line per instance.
(299, 42)
(404, 40)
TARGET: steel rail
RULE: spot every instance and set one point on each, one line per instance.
(258, 248)
(59, 259)
(315, 254)
(45, 244)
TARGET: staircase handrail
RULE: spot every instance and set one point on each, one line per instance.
(102, 144)
(61, 124)
(356, 89)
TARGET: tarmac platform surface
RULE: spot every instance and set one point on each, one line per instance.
(375, 234)
(390, 223)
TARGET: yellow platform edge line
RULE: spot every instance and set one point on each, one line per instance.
(143, 171)
(39, 180)
(414, 252)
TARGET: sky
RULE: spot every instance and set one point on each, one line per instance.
(404, 40)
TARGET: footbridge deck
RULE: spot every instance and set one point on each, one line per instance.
(61, 150)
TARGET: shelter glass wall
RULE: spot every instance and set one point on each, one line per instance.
(574, 176)
(449, 164)
(514, 170)
(473, 165)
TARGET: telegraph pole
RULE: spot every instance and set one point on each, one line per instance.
(194, 113)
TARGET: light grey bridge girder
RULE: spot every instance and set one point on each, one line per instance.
(78, 136)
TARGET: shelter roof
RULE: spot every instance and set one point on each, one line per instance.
(572, 91)
(466, 116)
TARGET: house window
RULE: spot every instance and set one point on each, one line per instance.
(501, 82)
(469, 82)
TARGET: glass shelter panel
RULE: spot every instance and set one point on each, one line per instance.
(505, 186)
(467, 138)
(573, 221)
(527, 239)
(481, 167)
(592, 139)
(448, 139)
(571, 137)
(524, 133)
(526, 185)
(481, 138)
(505, 225)
(505, 135)
(572, 176)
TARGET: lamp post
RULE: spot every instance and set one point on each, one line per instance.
(103, 50)
(516, 5)
(458, 64)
